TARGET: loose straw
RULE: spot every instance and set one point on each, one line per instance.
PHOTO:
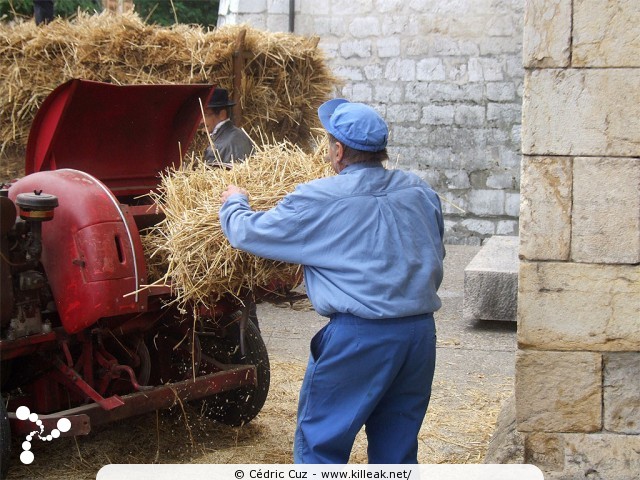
(189, 247)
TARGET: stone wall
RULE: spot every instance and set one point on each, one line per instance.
(447, 76)
(577, 388)
(119, 6)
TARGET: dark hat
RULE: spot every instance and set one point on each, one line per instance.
(354, 124)
(219, 99)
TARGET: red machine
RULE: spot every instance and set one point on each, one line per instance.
(79, 337)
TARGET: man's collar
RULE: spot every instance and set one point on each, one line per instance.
(359, 166)
(219, 126)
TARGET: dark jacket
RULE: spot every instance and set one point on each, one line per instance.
(43, 11)
(231, 144)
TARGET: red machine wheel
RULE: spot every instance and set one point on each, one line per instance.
(173, 352)
(5, 440)
(239, 406)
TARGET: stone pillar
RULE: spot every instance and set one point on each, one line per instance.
(578, 363)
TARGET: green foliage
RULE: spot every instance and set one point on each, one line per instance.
(161, 12)
(10, 9)
(67, 8)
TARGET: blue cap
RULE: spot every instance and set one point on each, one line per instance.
(355, 124)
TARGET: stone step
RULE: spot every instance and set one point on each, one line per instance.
(491, 281)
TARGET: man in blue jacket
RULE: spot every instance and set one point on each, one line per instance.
(371, 243)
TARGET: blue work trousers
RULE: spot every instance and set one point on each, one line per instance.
(376, 373)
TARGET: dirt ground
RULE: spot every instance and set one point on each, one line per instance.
(448, 436)
(474, 375)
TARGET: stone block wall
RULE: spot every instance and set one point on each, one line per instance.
(446, 75)
(272, 15)
(119, 6)
(578, 363)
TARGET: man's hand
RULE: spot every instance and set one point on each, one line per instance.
(231, 190)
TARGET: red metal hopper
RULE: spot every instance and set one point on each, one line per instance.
(122, 135)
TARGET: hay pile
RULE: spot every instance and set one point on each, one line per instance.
(189, 244)
(284, 80)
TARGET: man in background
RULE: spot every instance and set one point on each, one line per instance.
(230, 143)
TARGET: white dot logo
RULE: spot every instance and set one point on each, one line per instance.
(64, 425)
(23, 413)
(26, 457)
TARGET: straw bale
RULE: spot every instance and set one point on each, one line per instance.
(285, 79)
(199, 263)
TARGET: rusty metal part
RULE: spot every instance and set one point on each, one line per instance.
(26, 345)
(69, 375)
(84, 417)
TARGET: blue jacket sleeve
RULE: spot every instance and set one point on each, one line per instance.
(274, 234)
